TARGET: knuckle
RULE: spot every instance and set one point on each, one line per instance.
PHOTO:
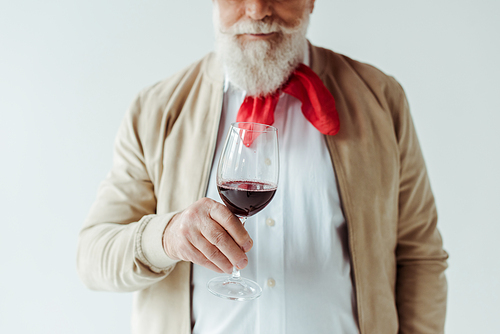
(219, 238)
(214, 254)
(218, 209)
(189, 214)
(206, 201)
(228, 219)
(184, 230)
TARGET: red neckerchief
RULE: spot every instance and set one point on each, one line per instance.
(318, 104)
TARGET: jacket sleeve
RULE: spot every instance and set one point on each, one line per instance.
(421, 286)
(120, 245)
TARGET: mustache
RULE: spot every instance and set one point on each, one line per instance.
(261, 27)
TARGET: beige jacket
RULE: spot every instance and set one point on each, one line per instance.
(163, 155)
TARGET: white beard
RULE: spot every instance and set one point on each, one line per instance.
(260, 67)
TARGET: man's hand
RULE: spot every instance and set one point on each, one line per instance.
(208, 234)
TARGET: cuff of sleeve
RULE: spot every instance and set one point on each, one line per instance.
(151, 242)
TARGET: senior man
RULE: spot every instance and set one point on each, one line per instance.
(349, 244)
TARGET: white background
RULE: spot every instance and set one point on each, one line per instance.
(69, 69)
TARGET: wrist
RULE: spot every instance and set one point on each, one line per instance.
(151, 242)
(165, 242)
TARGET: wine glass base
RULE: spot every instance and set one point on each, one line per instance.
(240, 288)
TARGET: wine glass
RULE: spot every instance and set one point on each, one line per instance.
(247, 177)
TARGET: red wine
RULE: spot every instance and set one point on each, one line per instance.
(246, 198)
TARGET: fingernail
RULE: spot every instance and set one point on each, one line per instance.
(246, 247)
(242, 264)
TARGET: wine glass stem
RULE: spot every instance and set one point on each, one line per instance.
(236, 274)
(236, 271)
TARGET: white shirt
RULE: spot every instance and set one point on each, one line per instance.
(300, 256)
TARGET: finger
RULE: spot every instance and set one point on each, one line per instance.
(232, 225)
(199, 258)
(222, 247)
(210, 249)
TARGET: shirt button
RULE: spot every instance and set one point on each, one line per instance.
(271, 283)
(270, 222)
(267, 161)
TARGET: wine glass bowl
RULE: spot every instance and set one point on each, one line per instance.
(247, 179)
(246, 198)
